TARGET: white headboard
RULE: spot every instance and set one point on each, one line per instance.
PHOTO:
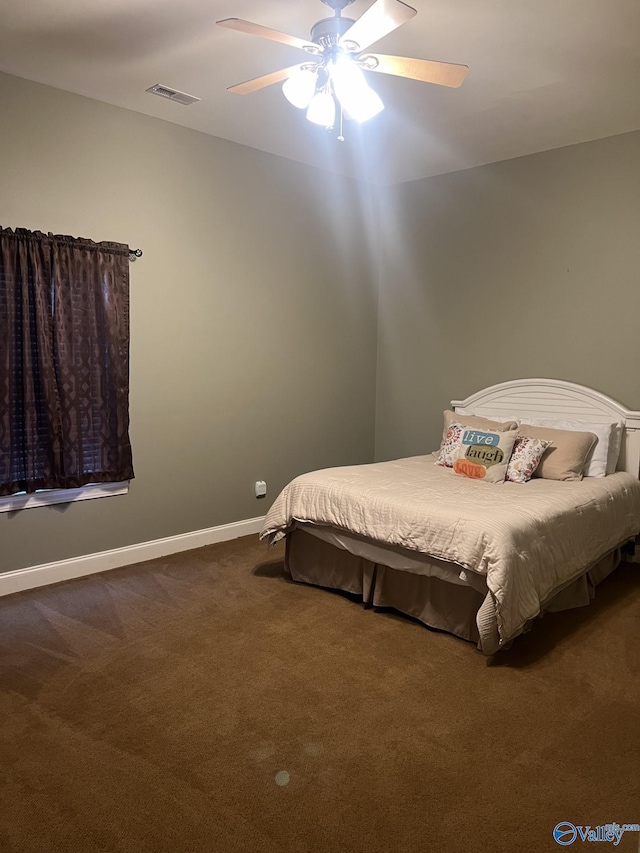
(553, 398)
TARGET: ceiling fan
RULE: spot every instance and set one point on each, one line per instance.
(333, 73)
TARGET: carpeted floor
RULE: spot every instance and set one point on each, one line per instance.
(203, 702)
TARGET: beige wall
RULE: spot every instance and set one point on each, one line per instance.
(530, 267)
(253, 312)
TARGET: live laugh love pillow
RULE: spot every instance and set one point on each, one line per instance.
(481, 454)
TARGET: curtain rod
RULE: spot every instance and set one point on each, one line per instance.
(134, 253)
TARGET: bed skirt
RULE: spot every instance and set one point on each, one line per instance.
(450, 605)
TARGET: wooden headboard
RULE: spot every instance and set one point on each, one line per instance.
(553, 398)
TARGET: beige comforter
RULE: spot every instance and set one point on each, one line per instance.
(529, 540)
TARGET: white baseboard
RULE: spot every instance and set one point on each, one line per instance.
(77, 567)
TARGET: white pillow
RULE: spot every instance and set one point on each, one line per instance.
(604, 456)
(615, 446)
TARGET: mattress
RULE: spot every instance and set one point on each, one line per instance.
(526, 542)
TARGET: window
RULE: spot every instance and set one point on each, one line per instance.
(64, 363)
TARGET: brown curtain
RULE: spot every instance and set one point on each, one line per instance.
(64, 362)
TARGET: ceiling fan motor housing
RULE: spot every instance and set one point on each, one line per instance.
(328, 31)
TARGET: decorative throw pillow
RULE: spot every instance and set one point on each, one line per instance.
(478, 454)
(526, 456)
(473, 421)
(476, 421)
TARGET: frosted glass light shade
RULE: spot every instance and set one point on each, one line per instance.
(350, 86)
(300, 87)
(322, 109)
(368, 105)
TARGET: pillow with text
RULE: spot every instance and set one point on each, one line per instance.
(476, 453)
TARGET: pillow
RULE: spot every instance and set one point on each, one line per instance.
(526, 456)
(604, 455)
(477, 422)
(478, 454)
(473, 421)
(615, 446)
(567, 457)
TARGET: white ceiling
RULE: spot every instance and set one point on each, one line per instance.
(543, 74)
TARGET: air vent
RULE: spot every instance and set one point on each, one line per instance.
(173, 95)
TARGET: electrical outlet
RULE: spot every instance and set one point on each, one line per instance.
(261, 488)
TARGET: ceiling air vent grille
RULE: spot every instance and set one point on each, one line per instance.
(173, 94)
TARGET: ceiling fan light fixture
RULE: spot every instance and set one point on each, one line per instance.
(355, 96)
(300, 87)
(322, 109)
(332, 78)
(368, 104)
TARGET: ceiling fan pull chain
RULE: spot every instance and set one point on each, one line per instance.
(340, 136)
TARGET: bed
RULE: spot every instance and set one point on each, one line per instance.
(477, 560)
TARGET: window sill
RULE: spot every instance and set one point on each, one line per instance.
(62, 496)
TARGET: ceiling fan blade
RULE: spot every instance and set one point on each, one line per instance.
(267, 33)
(381, 18)
(426, 70)
(256, 83)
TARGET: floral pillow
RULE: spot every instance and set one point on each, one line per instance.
(475, 453)
(526, 456)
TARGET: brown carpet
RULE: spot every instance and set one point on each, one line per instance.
(157, 707)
